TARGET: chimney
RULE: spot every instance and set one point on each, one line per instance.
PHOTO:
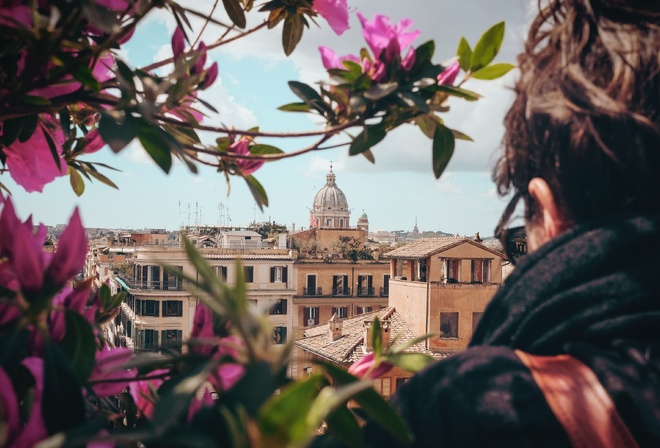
(384, 334)
(334, 325)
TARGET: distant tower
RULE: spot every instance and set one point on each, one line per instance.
(330, 208)
(415, 229)
(363, 223)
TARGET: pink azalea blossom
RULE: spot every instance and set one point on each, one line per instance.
(448, 76)
(244, 166)
(141, 391)
(178, 43)
(202, 329)
(110, 366)
(35, 429)
(226, 376)
(210, 75)
(379, 33)
(31, 163)
(184, 111)
(335, 12)
(331, 60)
(9, 406)
(364, 368)
(71, 252)
(93, 141)
(376, 70)
(11, 16)
(408, 61)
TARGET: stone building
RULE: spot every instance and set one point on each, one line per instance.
(442, 286)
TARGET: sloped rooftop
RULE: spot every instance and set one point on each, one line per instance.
(349, 347)
(426, 247)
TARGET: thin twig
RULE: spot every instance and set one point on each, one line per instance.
(206, 22)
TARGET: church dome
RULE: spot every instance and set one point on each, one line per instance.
(330, 197)
(363, 217)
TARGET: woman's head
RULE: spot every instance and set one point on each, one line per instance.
(586, 118)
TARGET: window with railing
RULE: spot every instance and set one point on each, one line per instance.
(172, 339)
(279, 307)
(365, 286)
(451, 270)
(310, 316)
(340, 285)
(220, 272)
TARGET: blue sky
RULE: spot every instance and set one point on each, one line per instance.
(252, 83)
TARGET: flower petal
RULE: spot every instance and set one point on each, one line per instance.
(71, 252)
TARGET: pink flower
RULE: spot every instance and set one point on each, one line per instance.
(202, 329)
(210, 75)
(178, 43)
(184, 111)
(71, 252)
(35, 429)
(331, 60)
(380, 33)
(408, 62)
(335, 12)
(448, 76)
(198, 403)
(244, 166)
(31, 163)
(365, 368)
(226, 376)
(198, 67)
(11, 16)
(9, 405)
(376, 70)
(93, 141)
(142, 392)
(110, 366)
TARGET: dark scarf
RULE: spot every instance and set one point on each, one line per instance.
(597, 284)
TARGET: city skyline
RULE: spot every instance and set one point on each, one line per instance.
(392, 192)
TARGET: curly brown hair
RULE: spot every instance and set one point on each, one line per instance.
(586, 117)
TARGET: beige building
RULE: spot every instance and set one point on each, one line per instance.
(442, 286)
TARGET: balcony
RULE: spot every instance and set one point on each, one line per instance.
(154, 285)
(384, 292)
(341, 292)
(312, 292)
(366, 292)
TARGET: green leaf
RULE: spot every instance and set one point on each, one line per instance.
(343, 425)
(412, 362)
(11, 129)
(461, 93)
(254, 388)
(86, 77)
(264, 149)
(372, 403)
(62, 405)
(378, 91)
(79, 344)
(283, 418)
(235, 12)
(376, 337)
(413, 100)
(310, 97)
(158, 145)
(369, 137)
(292, 33)
(487, 47)
(331, 398)
(125, 73)
(35, 100)
(29, 126)
(458, 135)
(295, 107)
(464, 53)
(427, 124)
(423, 55)
(101, 17)
(258, 192)
(493, 71)
(443, 149)
(103, 179)
(54, 151)
(76, 180)
(116, 135)
(369, 156)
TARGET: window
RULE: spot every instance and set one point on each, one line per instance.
(452, 270)
(401, 381)
(311, 286)
(448, 325)
(385, 290)
(480, 271)
(310, 316)
(151, 338)
(365, 285)
(220, 272)
(279, 335)
(476, 317)
(278, 274)
(148, 307)
(340, 311)
(278, 308)
(172, 282)
(172, 308)
(340, 285)
(172, 338)
(248, 272)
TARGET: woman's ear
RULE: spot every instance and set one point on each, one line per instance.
(550, 217)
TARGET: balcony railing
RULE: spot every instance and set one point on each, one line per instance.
(384, 292)
(341, 292)
(312, 291)
(366, 292)
(154, 285)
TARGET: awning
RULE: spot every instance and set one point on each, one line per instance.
(122, 283)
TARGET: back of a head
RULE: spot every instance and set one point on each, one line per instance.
(586, 117)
